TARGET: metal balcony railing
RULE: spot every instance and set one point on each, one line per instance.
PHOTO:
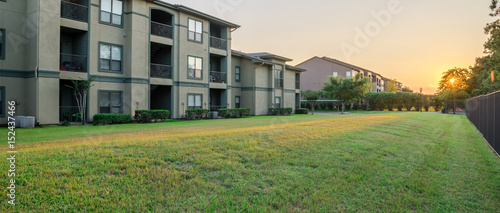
(161, 71)
(160, 29)
(218, 77)
(74, 11)
(75, 63)
(279, 83)
(218, 43)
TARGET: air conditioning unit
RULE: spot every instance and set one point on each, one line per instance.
(28, 122)
(25, 121)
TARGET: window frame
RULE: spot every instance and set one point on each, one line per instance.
(2, 50)
(237, 74)
(275, 102)
(189, 31)
(111, 13)
(2, 100)
(194, 76)
(194, 107)
(109, 91)
(237, 104)
(111, 56)
(350, 74)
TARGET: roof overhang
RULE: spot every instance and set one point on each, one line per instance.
(192, 11)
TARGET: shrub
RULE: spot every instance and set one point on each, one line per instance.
(234, 113)
(111, 119)
(197, 114)
(302, 111)
(146, 116)
(280, 111)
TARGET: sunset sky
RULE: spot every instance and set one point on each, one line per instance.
(420, 40)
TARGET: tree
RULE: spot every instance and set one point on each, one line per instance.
(480, 81)
(407, 89)
(347, 90)
(460, 76)
(311, 96)
(80, 91)
(391, 86)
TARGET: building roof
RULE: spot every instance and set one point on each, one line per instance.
(266, 55)
(260, 60)
(196, 12)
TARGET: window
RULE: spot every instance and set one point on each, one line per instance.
(237, 104)
(2, 43)
(195, 30)
(237, 74)
(195, 67)
(335, 74)
(194, 101)
(111, 12)
(110, 58)
(348, 74)
(277, 102)
(110, 102)
(278, 75)
(297, 81)
(2, 101)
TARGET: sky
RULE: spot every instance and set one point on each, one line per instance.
(413, 41)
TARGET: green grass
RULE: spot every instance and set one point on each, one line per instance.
(424, 162)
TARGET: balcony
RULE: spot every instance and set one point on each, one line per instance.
(74, 11)
(162, 30)
(218, 43)
(279, 83)
(74, 63)
(161, 71)
(218, 77)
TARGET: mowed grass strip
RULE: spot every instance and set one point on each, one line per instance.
(397, 162)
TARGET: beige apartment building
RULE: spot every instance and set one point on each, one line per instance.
(319, 69)
(145, 54)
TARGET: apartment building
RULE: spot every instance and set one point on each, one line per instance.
(145, 54)
(320, 69)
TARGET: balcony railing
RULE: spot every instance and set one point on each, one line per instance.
(74, 11)
(218, 77)
(297, 85)
(75, 63)
(161, 71)
(218, 43)
(160, 29)
(279, 83)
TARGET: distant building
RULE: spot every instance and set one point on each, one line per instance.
(320, 69)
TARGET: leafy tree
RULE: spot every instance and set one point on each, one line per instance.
(480, 81)
(460, 76)
(311, 96)
(80, 91)
(407, 89)
(347, 90)
(391, 86)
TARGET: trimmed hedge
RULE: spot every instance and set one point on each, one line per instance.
(112, 119)
(234, 113)
(302, 111)
(197, 114)
(280, 111)
(146, 116)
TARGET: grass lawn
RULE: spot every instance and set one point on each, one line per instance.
(399, 162)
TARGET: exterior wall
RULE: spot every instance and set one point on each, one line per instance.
(318, 71)
(31, 71)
